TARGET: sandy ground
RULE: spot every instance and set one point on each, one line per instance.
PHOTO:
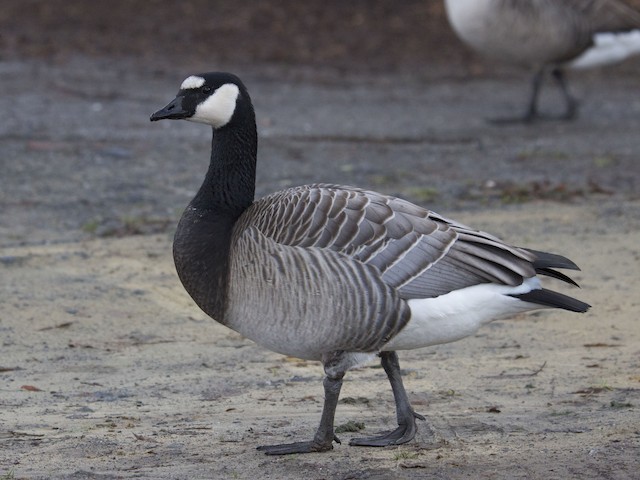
(108, 370)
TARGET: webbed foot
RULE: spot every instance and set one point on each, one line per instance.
(403, 434)
(297, 447)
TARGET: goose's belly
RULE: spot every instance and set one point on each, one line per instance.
(307, 302)
(531, 37)
(306, 323)
(297, 325)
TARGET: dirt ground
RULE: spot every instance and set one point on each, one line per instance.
(108, 370)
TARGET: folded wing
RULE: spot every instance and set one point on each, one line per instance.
(418, 252)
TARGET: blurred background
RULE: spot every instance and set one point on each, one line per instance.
(379, 91)
(108, 370)
(374, 35)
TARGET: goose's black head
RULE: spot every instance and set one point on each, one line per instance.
(217, 99)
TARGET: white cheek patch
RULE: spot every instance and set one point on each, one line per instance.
(193, 81)
(218, 108)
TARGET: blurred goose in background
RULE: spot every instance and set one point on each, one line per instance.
(548, 34)
(334, 273)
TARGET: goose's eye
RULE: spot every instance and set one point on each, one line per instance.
(206, 89)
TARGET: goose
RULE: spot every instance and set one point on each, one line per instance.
(548, 34)
(334, 273)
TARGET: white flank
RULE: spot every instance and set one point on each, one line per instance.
(217, 109)
(193, 81)
(460, 313)
(609, 48)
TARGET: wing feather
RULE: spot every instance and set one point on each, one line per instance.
(418, 252)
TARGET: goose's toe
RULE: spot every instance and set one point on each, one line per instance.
(298, 447)
(514, 120)
(403, 434)
(569, 114)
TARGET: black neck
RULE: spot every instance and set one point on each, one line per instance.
(229, 185)
(203, 238)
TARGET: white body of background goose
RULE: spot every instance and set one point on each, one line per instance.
(333, 273)
(548, 33)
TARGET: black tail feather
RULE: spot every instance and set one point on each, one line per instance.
(554, 274)
(549, 298)
(545, 260)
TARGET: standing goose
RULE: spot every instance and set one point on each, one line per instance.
(334, 273)
(541, 34)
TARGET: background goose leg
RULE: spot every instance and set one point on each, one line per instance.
(571, 103)
(532, 109)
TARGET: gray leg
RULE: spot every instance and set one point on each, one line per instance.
(571, 103)
(406, 416)
(532, 109)
(536, 83)
(324, 437)
(532, 113)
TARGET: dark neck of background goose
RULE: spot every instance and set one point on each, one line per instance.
(202, 241)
